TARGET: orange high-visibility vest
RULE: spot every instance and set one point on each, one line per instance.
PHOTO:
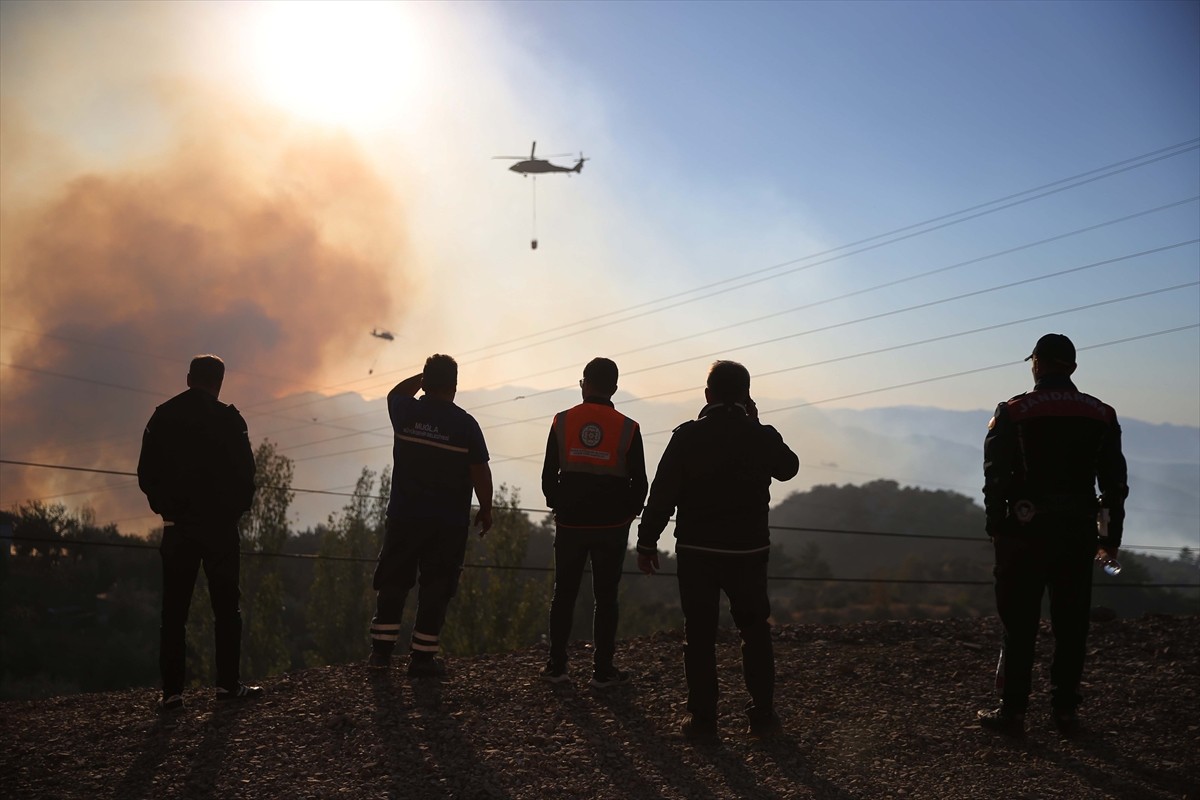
(594, 438)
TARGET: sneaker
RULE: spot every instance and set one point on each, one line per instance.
(604, 679)
(764, 726)
(1066, 720)
(378, 660)
(1000, 720)
(172, 703)
(427, 667)
(241, 692)
(700, 730)
(554, 673)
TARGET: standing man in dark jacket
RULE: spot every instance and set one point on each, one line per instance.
(440, 457)
(1043, 456)
(594, 477)
(197, 470)
(717, 472)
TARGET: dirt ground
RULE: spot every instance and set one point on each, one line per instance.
(878, 709)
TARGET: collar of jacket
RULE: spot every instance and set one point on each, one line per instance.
(600, 401)
(714, 409)
(1055, 382)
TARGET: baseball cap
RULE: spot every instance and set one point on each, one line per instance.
(1054, 347)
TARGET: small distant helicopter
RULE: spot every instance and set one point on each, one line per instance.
(538, 166)
(391, 337)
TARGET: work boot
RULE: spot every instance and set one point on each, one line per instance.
(1066, 720)
(700, 730)
(239, 692)
(607, 678)
(1001, 720)
(426, 667)
(765, 725)
(554, 672)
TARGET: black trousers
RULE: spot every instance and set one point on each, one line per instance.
(185, 547)
(572, 547)
(1057, 556)
(743, 578)
(412, 547)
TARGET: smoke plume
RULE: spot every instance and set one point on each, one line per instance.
(272, 246)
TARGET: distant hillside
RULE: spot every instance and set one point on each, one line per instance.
(886, 507)
(913, 445)
(936, 448)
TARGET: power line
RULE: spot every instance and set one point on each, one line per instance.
(278, 413)
(81, 380)
(788, 528)
(381, 430)
(522, 568)
(876, 287)
(918, 306)
(985, 328)
(877, 390)
(136, 390)
(894, 312)
(129, 351)
(1047, 189)
(980, 369)
(946, 220)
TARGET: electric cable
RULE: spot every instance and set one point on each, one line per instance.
(866, 290)
(1093, 175)
(1044, 190)
(522, 568)
(543, 511)
(383, 430)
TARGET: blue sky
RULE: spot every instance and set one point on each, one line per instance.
(726, 140)
(810, 124)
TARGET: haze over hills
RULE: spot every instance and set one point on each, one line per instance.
(918, 446)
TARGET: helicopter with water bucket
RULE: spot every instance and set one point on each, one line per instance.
(540, 166)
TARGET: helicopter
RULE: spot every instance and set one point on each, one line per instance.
(538, 166)
(391, 337)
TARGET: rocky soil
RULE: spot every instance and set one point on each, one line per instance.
(880, 709)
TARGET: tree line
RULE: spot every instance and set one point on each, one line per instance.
(85, 617)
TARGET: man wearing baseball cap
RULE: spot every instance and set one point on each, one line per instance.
(1045, 453)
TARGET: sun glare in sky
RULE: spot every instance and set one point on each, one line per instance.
(350, 64)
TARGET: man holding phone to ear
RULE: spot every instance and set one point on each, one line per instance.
(715, 475)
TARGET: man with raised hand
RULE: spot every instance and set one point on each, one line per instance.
(440, 457)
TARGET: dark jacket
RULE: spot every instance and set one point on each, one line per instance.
(717, 472)
(196, 464)
(1043, 456)
(583, 499)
